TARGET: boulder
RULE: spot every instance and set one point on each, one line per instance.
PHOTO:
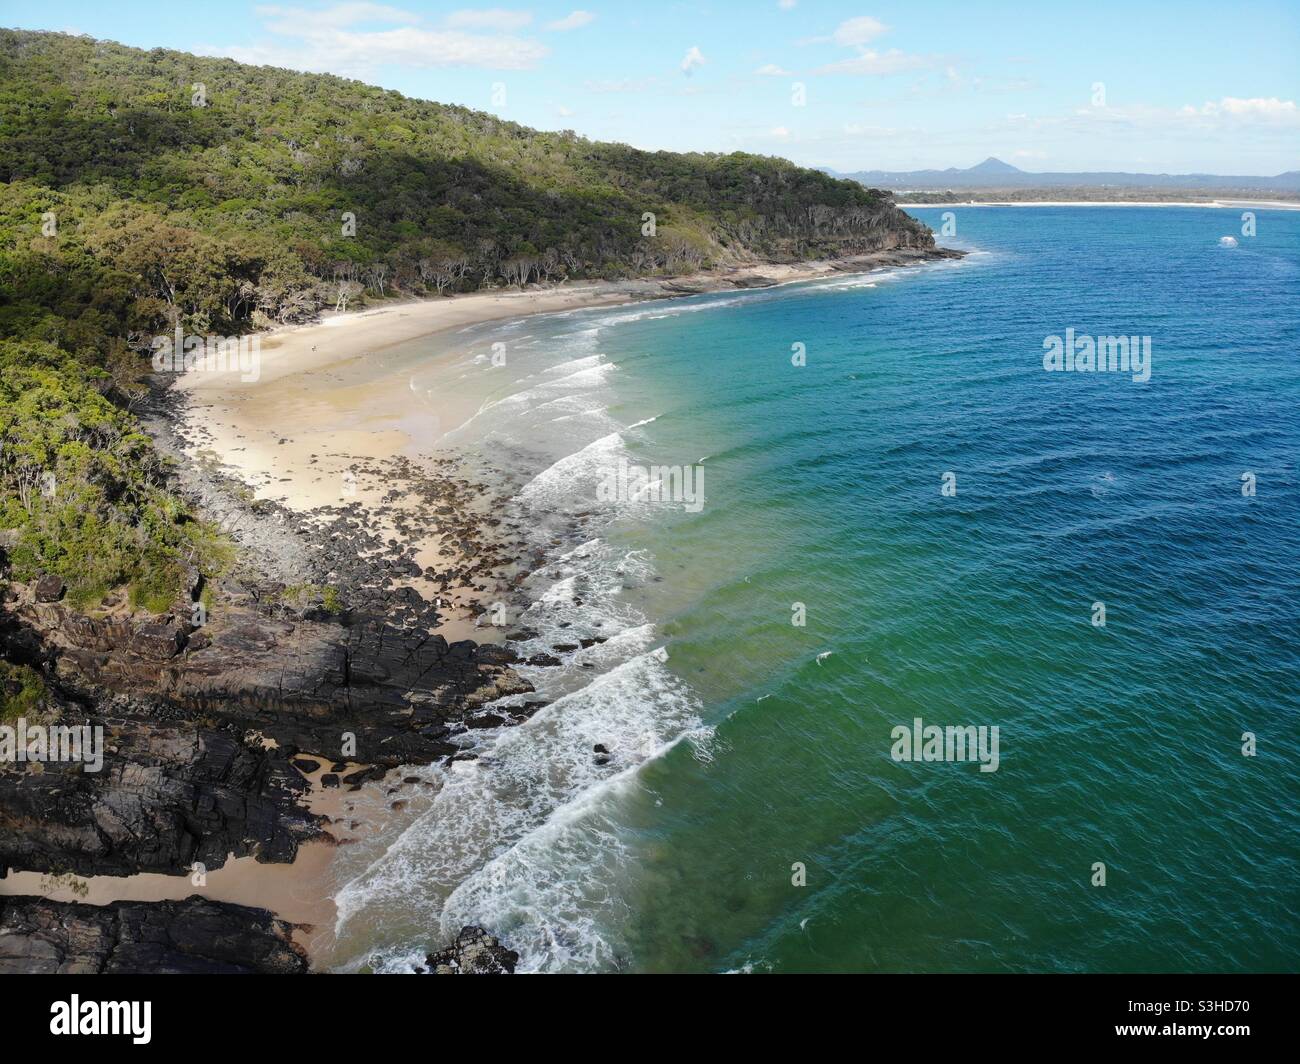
(49, 588)
(462, 650)
(474, 952)
(157, 642)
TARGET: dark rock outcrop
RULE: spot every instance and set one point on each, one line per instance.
(49, 589)
(300, 683)
(310, 655)
(474, 952)
(198, 742)
(169, 795)
(195, 936)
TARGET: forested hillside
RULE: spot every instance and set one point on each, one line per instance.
(242, 180)
(149, 190)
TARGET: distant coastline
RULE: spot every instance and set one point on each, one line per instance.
(1224, 204)
(994, 179)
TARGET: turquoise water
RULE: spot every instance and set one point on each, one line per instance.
(749, 744)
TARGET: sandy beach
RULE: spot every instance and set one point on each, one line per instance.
(321, 404)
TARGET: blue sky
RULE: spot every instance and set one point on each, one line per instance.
(1176, 87)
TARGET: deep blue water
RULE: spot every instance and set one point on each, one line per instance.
(1119, 745)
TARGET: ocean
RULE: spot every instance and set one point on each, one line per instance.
(802, 519)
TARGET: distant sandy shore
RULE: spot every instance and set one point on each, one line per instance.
(341, 337)
(1232, 204)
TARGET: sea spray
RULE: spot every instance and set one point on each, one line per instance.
(524, 776)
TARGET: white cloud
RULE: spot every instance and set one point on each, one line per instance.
(1271, 109)
(564, 112)
(572, 21)
(771, 70)
(780, 133)
(1229, 113)
(786, 5)
(694, 59)
(624, 85)
(1230, 135)
(855, 32)
(328, 39)
(495, 18)
(869, 62)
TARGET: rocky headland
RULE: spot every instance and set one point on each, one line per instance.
(194, 936)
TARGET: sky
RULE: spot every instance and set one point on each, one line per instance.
(1160, 87)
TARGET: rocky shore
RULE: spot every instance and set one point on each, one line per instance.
(195, 936)
(314, 661)
(205, 711)
(314, 652)
(474, 952)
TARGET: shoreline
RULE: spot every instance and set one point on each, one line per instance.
(277, 437)
(400, 321)
(296, 461)
(307, 432)
(1222, 204)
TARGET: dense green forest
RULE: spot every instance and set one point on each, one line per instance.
(230, 190)
(142, 191)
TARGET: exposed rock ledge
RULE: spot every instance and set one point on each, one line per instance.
(200, 727)
(195, 936)
(191, 937)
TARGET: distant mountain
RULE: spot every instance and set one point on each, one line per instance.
(994, 173)
(991, 166)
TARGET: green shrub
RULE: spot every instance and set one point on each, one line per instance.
(22, 693)
(85, 489)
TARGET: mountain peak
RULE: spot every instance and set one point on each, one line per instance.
(994, 166)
